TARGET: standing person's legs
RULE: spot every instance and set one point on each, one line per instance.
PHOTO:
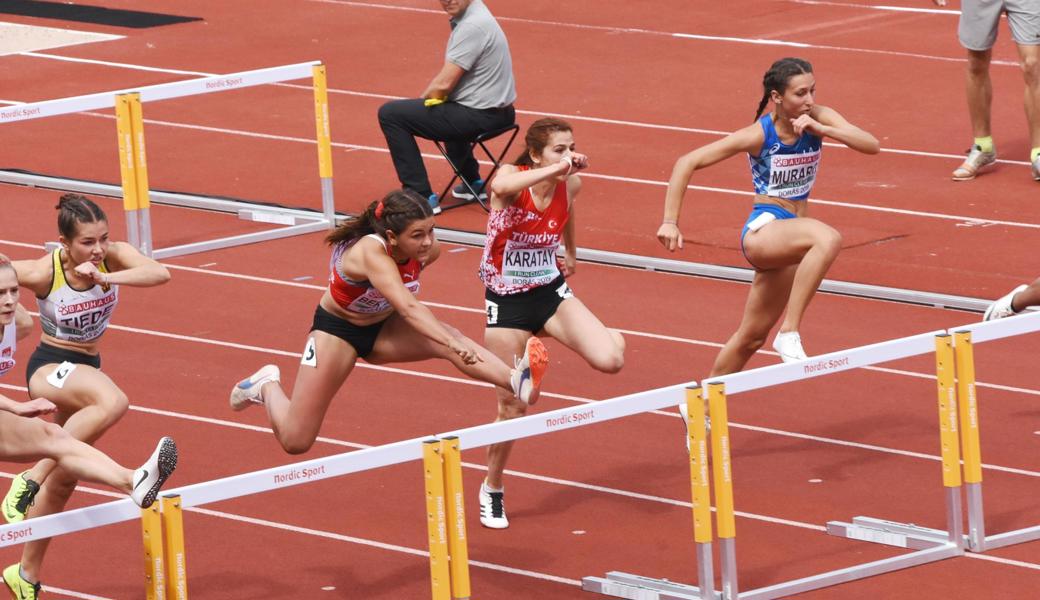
(1030, 56)
(977, 31)
(979, 90)
(1023, 18)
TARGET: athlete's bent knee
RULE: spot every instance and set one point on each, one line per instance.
(114, 404)
(611, 362)
(297, 445)
(829, 241)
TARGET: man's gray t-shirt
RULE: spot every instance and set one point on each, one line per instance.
(479, 47)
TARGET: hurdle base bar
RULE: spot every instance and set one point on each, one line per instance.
(830, 578)
(240, 240)
(1000, 540)
(889, 533)
(637, 587)
(273, 217)
(308, 221)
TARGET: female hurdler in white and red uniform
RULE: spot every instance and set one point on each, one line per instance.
(370, 311)
(789, 251)
(532, 211)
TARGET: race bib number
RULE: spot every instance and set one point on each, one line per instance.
(524, 266)
(310, 354)
(59, 376)
(792, 175)
(492, 312)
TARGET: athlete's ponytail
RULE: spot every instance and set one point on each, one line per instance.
(395, 212)
(5, 263)
(778, 75)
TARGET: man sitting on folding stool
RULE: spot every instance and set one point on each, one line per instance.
(473, 94)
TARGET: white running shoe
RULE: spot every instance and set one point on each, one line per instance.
(1036, 169)
(1002, 307)
(148, 479)
(526, 378)
(247, 392)
(976, 161)
(789, 346)
(492, 509)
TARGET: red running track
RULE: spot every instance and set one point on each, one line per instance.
(637, 518)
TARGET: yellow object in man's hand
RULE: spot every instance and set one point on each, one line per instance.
(433, 102)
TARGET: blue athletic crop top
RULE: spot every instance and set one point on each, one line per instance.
(784, 171)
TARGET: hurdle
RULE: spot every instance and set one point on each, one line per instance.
(275, 478)
(928, 545)
(965, 339)
(441, 468)
(134, 188)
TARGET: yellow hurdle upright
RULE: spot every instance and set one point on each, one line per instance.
(946, 386)
(324, 138)
(173, 534)
(133, 170)
(968, 406)
(700, 488)
(456, 517)
(722, 469)
(151, 527)
(436, 520)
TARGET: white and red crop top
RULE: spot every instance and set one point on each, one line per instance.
(520, 250)
(76, 315)
(362, 296)
(8, 342)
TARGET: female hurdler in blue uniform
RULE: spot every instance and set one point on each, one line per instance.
(789, 251)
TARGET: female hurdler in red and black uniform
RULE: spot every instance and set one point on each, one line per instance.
(532, 211)
(370, 311)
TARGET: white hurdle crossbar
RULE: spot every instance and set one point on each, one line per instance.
(294, 222)
(343, 464)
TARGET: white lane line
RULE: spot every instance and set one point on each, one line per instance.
(934, 11)
(1004, 561)
(374, 544)
(72, 594)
